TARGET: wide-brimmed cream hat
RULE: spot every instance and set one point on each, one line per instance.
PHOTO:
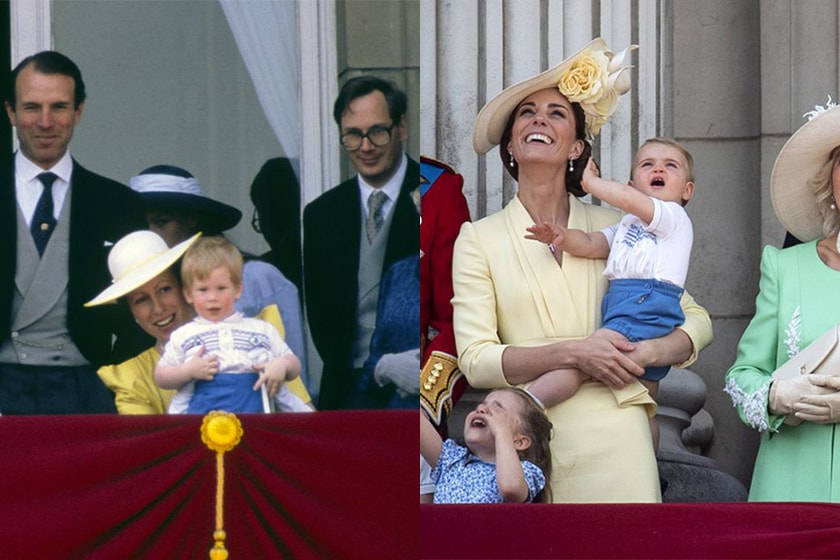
(137, 258)
(800, 159)
(594, 77)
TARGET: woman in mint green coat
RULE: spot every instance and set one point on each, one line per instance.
(799, 454)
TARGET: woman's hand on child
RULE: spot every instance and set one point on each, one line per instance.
(272, 375)
(642, 353)
(276, 372)
(604, 357)
(201, 366)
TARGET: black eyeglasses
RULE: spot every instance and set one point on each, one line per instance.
(377, 135)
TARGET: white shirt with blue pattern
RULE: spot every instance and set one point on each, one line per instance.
(238, 342)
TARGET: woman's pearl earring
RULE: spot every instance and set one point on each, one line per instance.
(512, 161)
(571, 165)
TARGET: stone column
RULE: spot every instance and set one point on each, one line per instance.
(686, 431)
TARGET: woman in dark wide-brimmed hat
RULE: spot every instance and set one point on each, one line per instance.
(176, 208)
(517, 314)
(797, 416)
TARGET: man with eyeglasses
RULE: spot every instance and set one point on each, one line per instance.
(353, 232)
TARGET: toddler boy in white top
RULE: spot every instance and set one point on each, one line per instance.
(222, 360)
(647, 254)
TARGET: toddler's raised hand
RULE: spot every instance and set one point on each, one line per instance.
(543, 232)
(547, 234)
(590, 172)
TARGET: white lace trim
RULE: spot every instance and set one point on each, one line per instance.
(793, 334)
(754, 405)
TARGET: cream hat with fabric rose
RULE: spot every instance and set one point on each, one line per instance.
(798, 161)
(137, 258)
(594, 77)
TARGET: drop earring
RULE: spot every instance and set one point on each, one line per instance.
(571, 166)
(512, 161)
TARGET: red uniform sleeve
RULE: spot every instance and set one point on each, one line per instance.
(444, 209)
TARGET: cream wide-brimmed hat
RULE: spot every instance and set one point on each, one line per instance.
(137, 258)
(798, 161)
(593, 77)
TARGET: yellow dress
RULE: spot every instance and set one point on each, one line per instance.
(133, 381)
(510, 291)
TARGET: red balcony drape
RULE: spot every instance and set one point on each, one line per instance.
(326, 485)
(696, 530)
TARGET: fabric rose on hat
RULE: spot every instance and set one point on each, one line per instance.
(595, 79)
(583, 82)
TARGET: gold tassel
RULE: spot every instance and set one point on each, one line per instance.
(221, 432)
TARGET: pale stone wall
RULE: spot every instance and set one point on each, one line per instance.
(381, 37)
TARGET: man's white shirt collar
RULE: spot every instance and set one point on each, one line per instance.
(392, 188)
(28, 171)
(28, 187)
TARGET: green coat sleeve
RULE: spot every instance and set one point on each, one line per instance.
(748, 380)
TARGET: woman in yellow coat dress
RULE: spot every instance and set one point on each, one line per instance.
(517, 314)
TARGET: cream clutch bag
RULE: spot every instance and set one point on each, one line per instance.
(821, 356)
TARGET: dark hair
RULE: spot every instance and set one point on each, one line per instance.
(537, 426)
(363, 85)
(275, 193)
(573, 178)
(167, 170)
(49, 62)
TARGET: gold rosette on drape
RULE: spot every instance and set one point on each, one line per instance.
(221, 432)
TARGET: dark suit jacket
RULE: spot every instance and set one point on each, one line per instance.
(332, 226)
(102, 210)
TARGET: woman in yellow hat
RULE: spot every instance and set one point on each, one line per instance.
(517, 314)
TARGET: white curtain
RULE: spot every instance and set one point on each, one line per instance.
(266, 33)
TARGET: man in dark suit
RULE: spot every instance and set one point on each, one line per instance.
(58, 222)
(353, 232)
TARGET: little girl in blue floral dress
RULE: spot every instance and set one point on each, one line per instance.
(506, 457)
